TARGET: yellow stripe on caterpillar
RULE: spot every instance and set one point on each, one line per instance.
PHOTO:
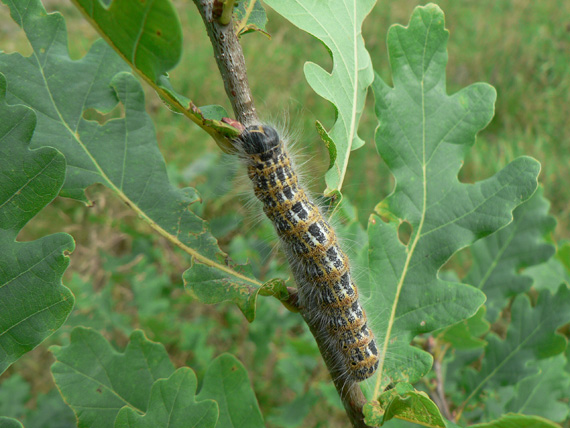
(327, 295)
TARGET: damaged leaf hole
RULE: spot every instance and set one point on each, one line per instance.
(405, 230)
(102, 117)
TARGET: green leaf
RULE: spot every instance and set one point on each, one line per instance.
(211, 285)
(531, 335)
(518, 421)
(150, 40)
(423, 136)
(399, 423)
(60, 90)
(490, 406)
(499, 258)
(563, 254)
(540, 395)
(172, 405)
(123, 153)
(33, 301)
(226, 382)
(250, 16)
(403, 402)
(337, 23)
(552, 273)
(10, 423)
(466, 334)
(96, 381)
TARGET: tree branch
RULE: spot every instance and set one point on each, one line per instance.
(352, 397)
(440, 391)
(438, 395)
(231, 63)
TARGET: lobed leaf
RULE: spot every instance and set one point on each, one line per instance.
(403, 402)
(563, 255)
(148, 36)
(210, 285)
(122, 153)
(336, 23)
(423, 136)
(250, 17)
(33, 301)
(499, 258)
(226, 382)
(172, 405)
(552, 273)
(467, 334)
(545, 394)
(518, 421)
(532, 335)
(10, 423)
(97, 382)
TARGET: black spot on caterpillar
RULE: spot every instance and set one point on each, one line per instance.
(327, 295)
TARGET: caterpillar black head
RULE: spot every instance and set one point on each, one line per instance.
(258, 139)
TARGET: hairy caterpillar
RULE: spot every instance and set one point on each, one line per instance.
(327, 294)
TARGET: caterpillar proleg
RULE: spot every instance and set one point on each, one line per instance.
(327, 294)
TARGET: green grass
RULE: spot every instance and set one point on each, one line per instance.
(520, 47)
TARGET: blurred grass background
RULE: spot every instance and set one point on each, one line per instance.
(124, 277)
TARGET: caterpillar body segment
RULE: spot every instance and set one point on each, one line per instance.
(327, 294)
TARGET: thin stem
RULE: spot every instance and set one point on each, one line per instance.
(440, 390)
(227, 10)
(350, 393)
(231, 63)
(439, 395)
(412, 247)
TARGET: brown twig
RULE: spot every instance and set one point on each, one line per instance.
(439, 395)
(440, 391)
(352, 397)
(231, 63)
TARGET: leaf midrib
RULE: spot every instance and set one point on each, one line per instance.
(497, 258)
(500, 365)
(97, 382)
(141, 32)
(201, 258)
(354, 82)
(30, 180)
(23, 320)
(418, 233)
